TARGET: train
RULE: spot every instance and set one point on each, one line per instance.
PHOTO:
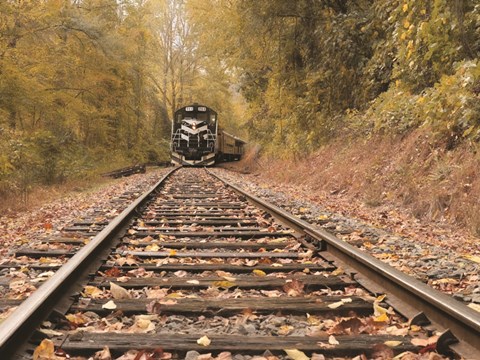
(198, 140)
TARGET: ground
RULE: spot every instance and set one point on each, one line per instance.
(370, 213)
(442, 255)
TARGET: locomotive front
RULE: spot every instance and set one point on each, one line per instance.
(194, 134)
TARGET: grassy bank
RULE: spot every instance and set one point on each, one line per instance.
(411, 172)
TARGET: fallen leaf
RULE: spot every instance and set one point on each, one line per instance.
(113, 272)
(474, 306)
(382, 351)
(180, 273)
(204, 341)
(103, 354)
(119, 292)
(338, 271)
(381, 318)
(285, 329)
(296, 354)
(194, 282)
(332, 340)
(109, 305)
(473, 258)
(425, 342)
(258, 272)
(45, 351)
(293, 287)
(224, 284)
(77, 319)
(153, 247)
(339, 303)
(93, 292)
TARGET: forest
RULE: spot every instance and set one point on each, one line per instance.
(89, 85)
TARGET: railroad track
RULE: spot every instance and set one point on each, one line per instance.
(195, 267)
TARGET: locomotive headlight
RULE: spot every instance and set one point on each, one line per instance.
(194, 126)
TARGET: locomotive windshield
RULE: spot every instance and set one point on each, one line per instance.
(199, 113)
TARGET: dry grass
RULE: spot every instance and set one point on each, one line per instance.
(410, 172)
(14, 202)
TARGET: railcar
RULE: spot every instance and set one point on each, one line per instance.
(197, 139)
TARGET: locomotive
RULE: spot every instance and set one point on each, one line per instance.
(197, 139)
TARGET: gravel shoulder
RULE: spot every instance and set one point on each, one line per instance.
(446, 258)
(30, 228)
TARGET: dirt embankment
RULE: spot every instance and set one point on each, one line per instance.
(409, 175)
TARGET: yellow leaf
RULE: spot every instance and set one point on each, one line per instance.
(153, 247)
(259, 272)
(175, 295)
(473, 258)
(338, 271)
(474, 306)
(45, 351)
(392, 343)
(381, 318)
(296, 354)
(172, 252)
(405, 7)
(92, 291)
(415, 328)
(204, 341)
(406, 24)
(76, 319)
(224, 284)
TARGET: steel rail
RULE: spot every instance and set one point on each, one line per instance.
(438, 307)
(17, 328)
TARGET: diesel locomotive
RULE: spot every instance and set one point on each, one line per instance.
(197, 139)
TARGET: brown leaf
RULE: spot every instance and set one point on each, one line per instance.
(347, 327)
(293, 287)
(103, 354)
(154, 307)
(113, 272)
(382, 352)
(119, 292)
